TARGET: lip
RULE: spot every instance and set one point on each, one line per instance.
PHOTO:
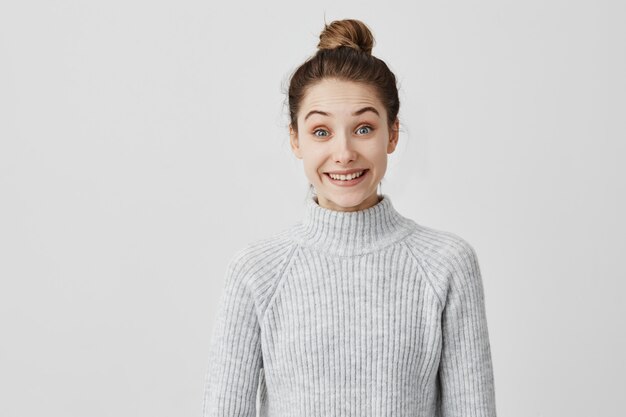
(351, 182)
(346, 172)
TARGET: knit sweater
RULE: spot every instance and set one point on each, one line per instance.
(363, 313)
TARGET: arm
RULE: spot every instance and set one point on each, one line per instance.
(465, 371)
(235, 353)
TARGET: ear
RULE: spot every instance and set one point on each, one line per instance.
(293, 141)
(394, 134)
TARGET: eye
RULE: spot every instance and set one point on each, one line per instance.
(319, 130)
(365, 127)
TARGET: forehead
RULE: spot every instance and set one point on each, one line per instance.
(338, 96)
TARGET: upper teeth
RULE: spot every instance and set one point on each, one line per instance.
(346, 177)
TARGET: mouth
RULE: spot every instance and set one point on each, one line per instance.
(347, 182)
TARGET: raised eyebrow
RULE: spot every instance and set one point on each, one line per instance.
(323, 113)
(366, 109)
(356, 113)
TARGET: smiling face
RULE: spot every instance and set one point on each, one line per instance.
(342, 126)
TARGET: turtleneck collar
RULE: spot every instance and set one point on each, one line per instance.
(347, 233)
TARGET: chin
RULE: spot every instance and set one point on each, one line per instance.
(346, 200)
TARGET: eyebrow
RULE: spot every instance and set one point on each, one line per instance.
(356, 113)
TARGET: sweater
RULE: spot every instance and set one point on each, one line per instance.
(363, 313)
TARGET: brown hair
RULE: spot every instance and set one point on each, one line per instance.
(345, 53)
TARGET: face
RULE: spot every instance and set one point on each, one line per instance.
(342, 126)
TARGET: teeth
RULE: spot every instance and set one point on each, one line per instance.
(346, 177)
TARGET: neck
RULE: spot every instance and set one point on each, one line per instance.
(357, 232)
(368, 202)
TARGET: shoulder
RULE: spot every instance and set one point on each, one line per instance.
(448, 258)
(262, 256)
(259, 264)
(441, 246)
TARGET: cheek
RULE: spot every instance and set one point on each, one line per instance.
(382, 165)
(313, 156)
(375, 152)
(311, 168)
(379, 159)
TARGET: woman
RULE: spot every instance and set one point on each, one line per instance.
(356, 310)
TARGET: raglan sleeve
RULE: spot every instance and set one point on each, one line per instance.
(235, 358)
(465, 369)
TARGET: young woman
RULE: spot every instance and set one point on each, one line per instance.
(356, 310)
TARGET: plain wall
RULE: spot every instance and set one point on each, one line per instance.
(143, 142)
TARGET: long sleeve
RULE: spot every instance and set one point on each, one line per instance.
(235, 351)
(465, 370)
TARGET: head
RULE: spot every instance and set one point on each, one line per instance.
(343, 105)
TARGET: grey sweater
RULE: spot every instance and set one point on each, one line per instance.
(363, 313)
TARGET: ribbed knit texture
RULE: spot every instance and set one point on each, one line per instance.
(363, 313)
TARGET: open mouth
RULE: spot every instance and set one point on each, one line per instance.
(355, 179)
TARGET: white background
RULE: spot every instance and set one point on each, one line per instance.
(143, 142)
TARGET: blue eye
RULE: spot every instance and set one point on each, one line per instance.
(365, 127)
(319, 130)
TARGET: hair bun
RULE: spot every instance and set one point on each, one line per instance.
(348, 32)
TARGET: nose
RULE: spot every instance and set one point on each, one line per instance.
(343, 149)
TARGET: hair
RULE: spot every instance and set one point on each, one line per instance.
(344, 53)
